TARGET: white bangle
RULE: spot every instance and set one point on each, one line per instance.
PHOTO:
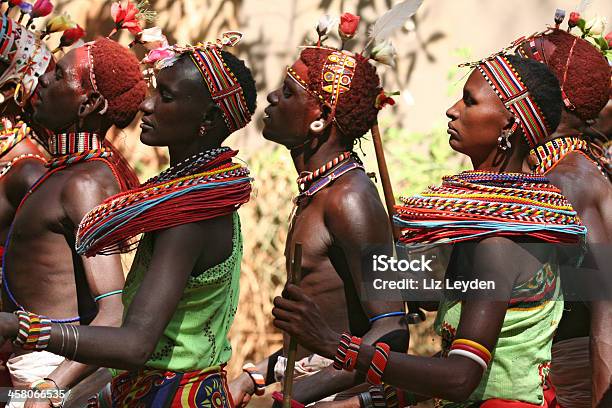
(469, 355)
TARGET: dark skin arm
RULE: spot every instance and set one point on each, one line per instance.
(354, 223)
(176, 251)
(453, 378)
(591, 196)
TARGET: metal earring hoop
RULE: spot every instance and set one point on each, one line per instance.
(103, 111)
(503, 141)
(317, 126)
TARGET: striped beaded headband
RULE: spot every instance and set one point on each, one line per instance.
(515, 96)
(225, 90)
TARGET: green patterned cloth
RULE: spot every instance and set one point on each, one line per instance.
(521, 359)
(196, 336)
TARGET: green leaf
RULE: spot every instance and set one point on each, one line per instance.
(581, 24)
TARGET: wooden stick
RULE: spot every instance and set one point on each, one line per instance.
(295, 272)
(384, 178)
(415, 315)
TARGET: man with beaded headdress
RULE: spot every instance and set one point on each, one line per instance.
(181, 293)
(571, 163)
(329, 99)
(91, 88)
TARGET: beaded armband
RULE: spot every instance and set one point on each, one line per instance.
(34, 331)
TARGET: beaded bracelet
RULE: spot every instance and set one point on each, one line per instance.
(378, 364)
(365, 400)
(472, 350)
(377, 396)
(34, 331)
(343, 345)
(258, 379)
(350, 362)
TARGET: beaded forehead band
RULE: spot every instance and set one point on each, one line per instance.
(225, 90)
(515, 96)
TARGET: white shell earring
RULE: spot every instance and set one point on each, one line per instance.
(317, 126)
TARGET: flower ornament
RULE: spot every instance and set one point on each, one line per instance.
(608, 39)
(574, 18)
(15, 3)
(384, 53)
(59, 23)
(42, 8)
(385, 98)
(348, 26)
(25, 7)
(70, 36)
(152, 38)
(596, 25)
(127, 16)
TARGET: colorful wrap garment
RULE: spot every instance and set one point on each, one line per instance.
(196, 190)
(475, 205)
(168, 389)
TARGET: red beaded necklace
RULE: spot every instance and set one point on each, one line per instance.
(307, 177)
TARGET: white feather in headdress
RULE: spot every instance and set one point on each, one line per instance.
(392, 20)
(584, 4)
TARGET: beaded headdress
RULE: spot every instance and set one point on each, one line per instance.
(225, 90)
(339, 67)
(27, 56)
(515, 96)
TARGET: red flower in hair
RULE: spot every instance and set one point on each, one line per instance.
(42, 8)
(348, 25)
(573, 19)
(14, 3)
(383, 99)
(71, 36)
(125, 17)
(609, 39)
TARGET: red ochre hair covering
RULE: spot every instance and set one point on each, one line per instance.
(119, 79)
(587, 80)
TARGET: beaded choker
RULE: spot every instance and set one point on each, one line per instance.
(308, 177)
(477, 204)
(550, 153)
(70, 143)
(218, 187)
(69, 149)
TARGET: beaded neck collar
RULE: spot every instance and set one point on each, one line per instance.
(307, 177)
(189, 166)
(545, 156)
(63, 144)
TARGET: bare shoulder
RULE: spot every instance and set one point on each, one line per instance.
(581, 181)
(21, 177)
(353, 207)
(90, 177)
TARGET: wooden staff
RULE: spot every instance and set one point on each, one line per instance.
(295, 272)
(384, 178)
(415, 315)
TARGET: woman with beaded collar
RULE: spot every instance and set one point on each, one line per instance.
(496, 344)
(181, 294)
